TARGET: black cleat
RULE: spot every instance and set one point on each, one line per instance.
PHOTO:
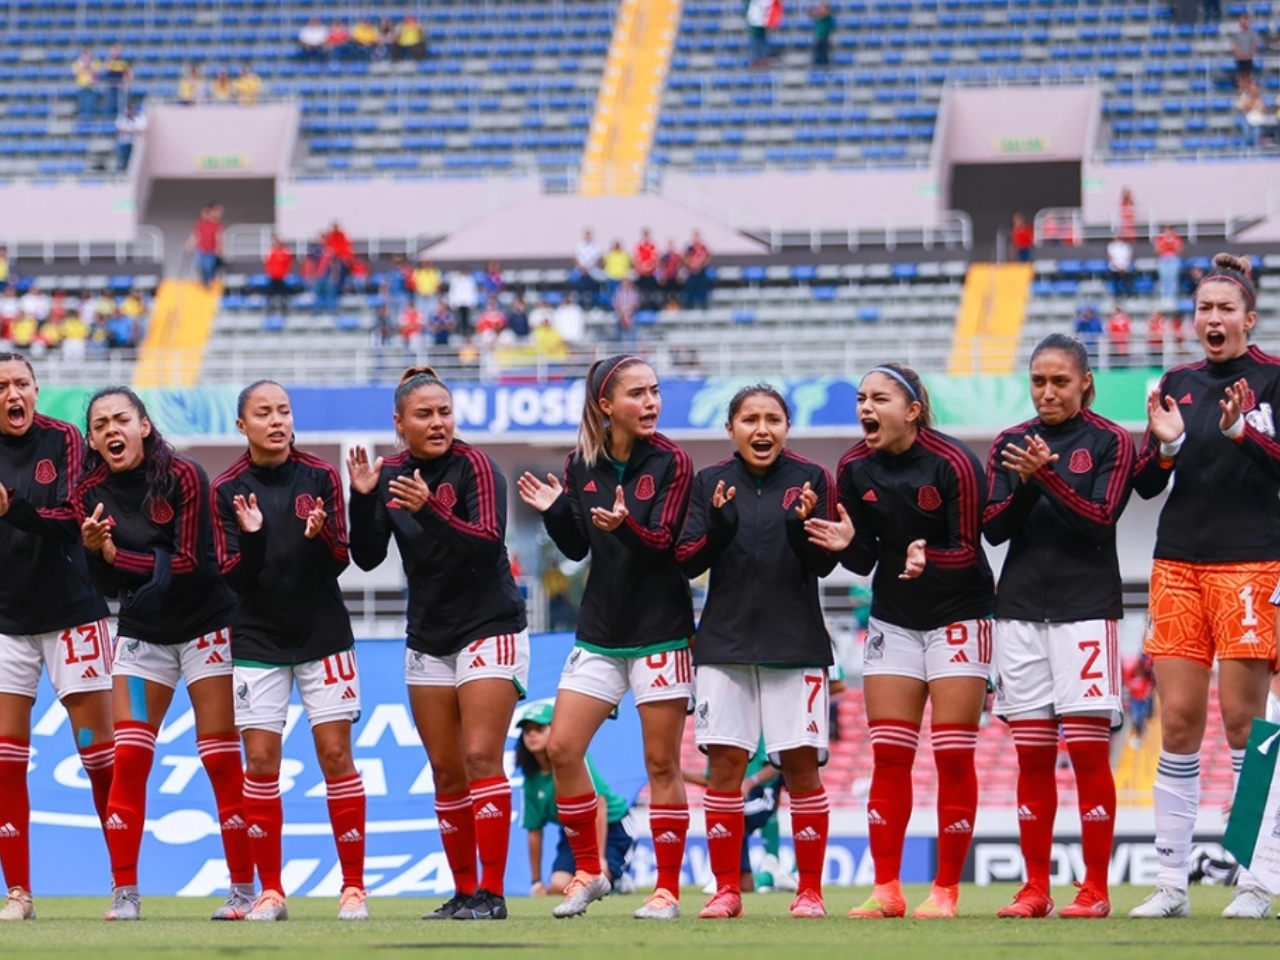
(483, 906)
(449, 909)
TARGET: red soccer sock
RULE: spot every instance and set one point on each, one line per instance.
(810, 820)
(458, 837)
(99, 766)
(221, 758)
(127, 802)
(265, 814)
(669, 826)
(491, 806)
(725, 829)
(347, 816)
(1089, 743)
(1037, 744)
(889, 802)
(954, 745)
(577, 817)
(15, 814)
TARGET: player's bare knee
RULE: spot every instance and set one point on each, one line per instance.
(483, 765)
(261, 761)
(562, 752)
(663, 768)
(335, 760)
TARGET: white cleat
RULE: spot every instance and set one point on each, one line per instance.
(125, 904)
(239, 902)
(582, 891)
(18, 906)
(1163, 902)
(1249, 903)
(269, 906)
(659, 905)
(352, 905)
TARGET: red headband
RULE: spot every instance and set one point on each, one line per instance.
(1250, 299)
(604, 382)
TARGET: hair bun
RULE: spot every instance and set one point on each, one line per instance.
(423, 371)
(1229, 261)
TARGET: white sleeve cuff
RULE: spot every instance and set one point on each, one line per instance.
(1236, 430)
(1170, 449)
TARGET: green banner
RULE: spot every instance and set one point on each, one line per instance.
(1253, 832)
(1001, 401)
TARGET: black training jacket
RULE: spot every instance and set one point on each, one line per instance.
(1061, 524)
(636, 594)
(45, 584)
(165, 574)
(935, 491)
(762, 603)
(1224, 506)
(289, 608)
(460, 584)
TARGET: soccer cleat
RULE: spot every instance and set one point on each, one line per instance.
(239, 902)
(125, 904)
(18, 906)
(943, 903)
(1249, 903)
(1163, 902)
(726, 904)
(447, 909)
(1089, 904)
(659, 905)
(483, 905)
(808, 906)
(886, 901)
(269, 906)
(583, 890)
(352, 905)
(1029, 903)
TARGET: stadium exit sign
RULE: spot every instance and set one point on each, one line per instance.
(223, 161)
(1023, 145)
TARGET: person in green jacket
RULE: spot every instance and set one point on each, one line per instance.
(616, 830)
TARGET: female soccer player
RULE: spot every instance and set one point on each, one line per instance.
(467, 661)
(762, 649)
(1217, 558)
(1056, 488)
(613, 820)
(281, 542)
(145, 524)
(51, 617)
(623, 501)
(915, 498)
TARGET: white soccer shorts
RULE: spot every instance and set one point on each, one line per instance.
(961, 649)
(1069, 667)
(329, 690)
(503, 657)
(736, 703)
(198, 659)
(659, 676)
(78, 660)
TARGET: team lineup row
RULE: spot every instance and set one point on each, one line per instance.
(233, 586)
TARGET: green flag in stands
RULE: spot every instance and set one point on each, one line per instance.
(1253, 832)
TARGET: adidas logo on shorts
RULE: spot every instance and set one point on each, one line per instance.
(875, 819)
(256, 832)
(1093, 691)
(351, 836)
(115, 823)
(488, 812)
(718, 832)
(9, 830)
(960, 826)
(90, 674)
(667, 836)
(215, 657)
(478, 662)
(807, 834)
(233, 823)
(1250, 637)
(1096, 815)
(1024, 813)
(660, 682)
(348, 694)
(960, 657)
(813, 726)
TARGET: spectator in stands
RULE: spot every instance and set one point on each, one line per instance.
(824, 25)
(426, 285)
(491, 323)
(206, 243)
(75, 338)
(120, 332)
(441, 324)
(364, 39)
(412, 323)
(23, 331)
(570, 321)
(115, 76)
(10, 310)
(104, 307)
(586, 266)
(1088, 328)
(411, 40)
(397, 284)
(248, 86)
(277, 265)
(1119, 333)
(518, 318)
(1120, 266)
(313, 40)
(617, 267)
(221, 90)
(1168, 264)
(542, 311)
(1245, 44)
(341, 261)
(386, 38)
(129, 130)
(1023, 238)
(697, 283)
(85, 70)
(191, 88)
(36, 304)
(547, 339)
(49, 336)
(626, 301)
(494, 283)
(1140, 694)
(1128, 216)
(464, 297)
(338, 43)
(670, 270)
(762, 16)
(4, 266)
(1159, 333)
(1251, 114)
(133, 309)
(645, 262)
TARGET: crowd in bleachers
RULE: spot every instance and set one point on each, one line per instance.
(363, 40)
(76, 325)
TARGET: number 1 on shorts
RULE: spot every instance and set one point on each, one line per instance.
(1250, 618)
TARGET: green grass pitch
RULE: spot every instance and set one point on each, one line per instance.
(175, 928)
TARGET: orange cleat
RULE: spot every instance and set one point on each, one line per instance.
(808, 905)
(725, 904)
(1029, 903)
(1089, 904)
(943, 903)
(886, 901)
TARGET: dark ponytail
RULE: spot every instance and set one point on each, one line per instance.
(157, 452)
(1078, 352)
